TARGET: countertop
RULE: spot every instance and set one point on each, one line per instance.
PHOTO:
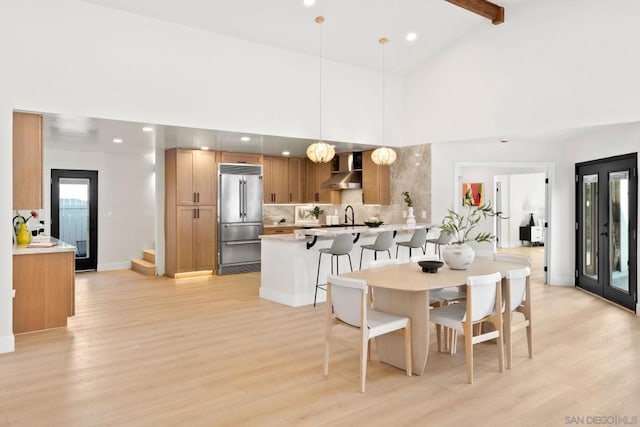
(332, 231)
(59, 246)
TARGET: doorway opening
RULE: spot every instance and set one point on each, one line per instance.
(606, 227)
(522, 193)
(74, 213)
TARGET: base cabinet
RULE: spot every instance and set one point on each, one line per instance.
(45, 291)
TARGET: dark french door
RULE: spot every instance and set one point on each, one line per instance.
(606, 228)
(74, 213)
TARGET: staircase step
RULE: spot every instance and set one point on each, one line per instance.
(149, 255)
(144, 267)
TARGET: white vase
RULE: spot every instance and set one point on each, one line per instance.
(458, 256)
(411, 220)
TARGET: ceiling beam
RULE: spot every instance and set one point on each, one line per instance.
(483, 8)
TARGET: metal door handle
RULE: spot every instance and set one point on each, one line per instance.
(604, 234)
(246, 242)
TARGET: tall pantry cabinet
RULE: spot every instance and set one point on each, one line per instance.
(190, 211)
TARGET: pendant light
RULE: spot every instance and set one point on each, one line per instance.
(320, 151)
(383, 155)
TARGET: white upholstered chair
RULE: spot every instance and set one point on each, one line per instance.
(347, 306)
(517, 297)
(484, 295)
(377, 263)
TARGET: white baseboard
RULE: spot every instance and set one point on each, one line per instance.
(289, 299)
(115, 266)
(7, 344)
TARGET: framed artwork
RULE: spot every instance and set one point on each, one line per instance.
(472, 194)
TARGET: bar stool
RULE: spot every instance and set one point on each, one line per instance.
(444, 239)
(342, 245)
(383, 242)
(418, 240)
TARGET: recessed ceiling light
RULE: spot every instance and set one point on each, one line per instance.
(245, 139)
(504, 141)
(411, 37)
(204, 148)
(147, 129)
(117, 140)
(416, 154)
(285, 153)
(309, 3)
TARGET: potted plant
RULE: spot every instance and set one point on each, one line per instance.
(411, 219)
(461, 227)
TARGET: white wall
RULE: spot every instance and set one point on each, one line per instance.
(553, 64)
(75, 58)
(561, 150)
(126, 201)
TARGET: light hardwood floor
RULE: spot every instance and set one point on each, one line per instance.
(189, 352)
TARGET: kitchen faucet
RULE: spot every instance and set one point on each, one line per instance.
(346, 218)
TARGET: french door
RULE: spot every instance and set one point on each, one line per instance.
(74, 213)
(606, 228)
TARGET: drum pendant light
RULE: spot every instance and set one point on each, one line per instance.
(320, 151)
(383, 155)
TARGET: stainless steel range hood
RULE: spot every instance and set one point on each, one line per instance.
(346, 178)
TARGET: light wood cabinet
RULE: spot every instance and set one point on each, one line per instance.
(316, 174)
(284, 179)
(276, 179)
(229, 157)
(195, 239)
(297, 178)
(376, 182)
(27, 161)
(45, 290)
(195, 176)
(190, 211)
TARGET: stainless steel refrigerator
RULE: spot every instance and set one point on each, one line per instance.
(239, 217)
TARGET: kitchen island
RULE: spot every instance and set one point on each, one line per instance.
(290, 261)
(44, 286)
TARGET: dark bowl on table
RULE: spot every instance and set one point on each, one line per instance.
(373, 224)
(430, 266)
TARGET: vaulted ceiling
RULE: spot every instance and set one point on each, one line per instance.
(350, 32)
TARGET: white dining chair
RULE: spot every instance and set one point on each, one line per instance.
(347, 306)
(483, 304)
(377, 263)
(517, 297)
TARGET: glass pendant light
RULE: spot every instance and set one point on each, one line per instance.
(383, 155)
(320, 151)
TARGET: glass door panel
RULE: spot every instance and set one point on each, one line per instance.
(619, 230)
(74, 214)
(590, 229)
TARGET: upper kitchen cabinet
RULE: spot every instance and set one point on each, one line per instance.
(27, 161)
(316, 174)
(192, 173)
(375, 182)
(276, 179)
(229, 157)
(297, 179)
(284, 179)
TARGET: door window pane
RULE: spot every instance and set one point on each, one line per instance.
(74, 214)
(619, 230)
(590, 226)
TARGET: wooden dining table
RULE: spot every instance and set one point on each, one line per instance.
(403, 289)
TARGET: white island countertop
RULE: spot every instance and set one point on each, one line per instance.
(44, 246)
(333, 231)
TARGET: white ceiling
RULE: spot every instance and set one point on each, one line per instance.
(91, 134)
(350, 33)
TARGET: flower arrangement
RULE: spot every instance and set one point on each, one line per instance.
(22, 220)
(407, 199)
(461, 226)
